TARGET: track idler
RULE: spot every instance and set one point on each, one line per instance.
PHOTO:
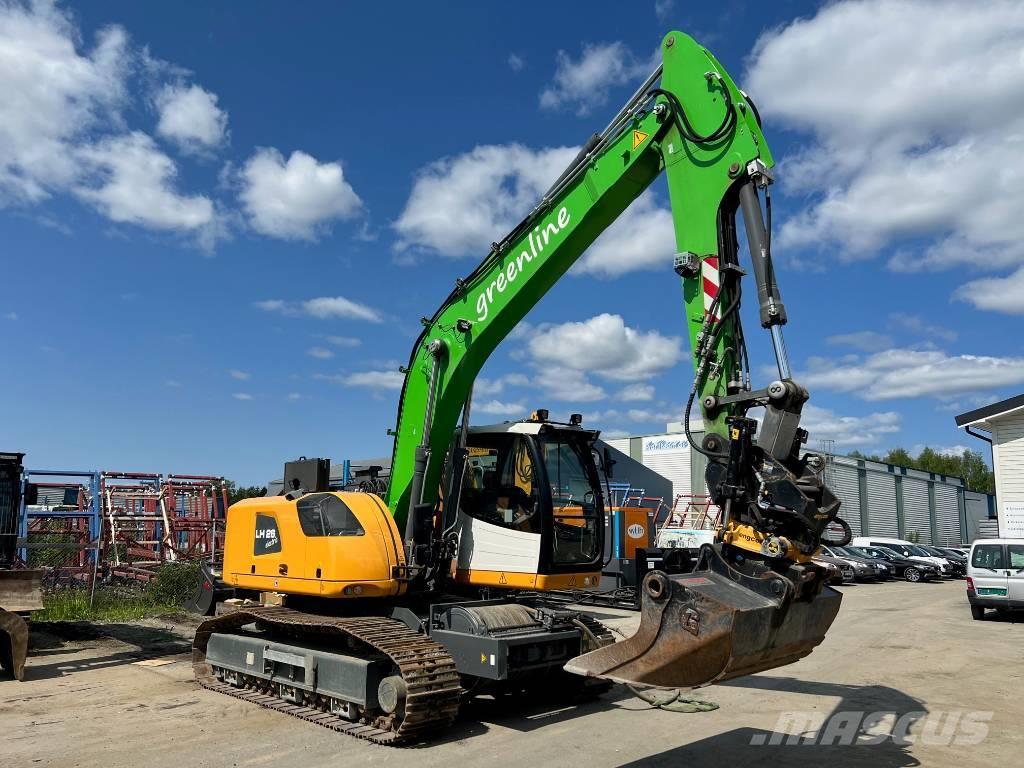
(717, 623)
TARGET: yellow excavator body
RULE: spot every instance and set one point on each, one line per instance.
(335, 545)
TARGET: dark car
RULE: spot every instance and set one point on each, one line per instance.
(887, 571)
(862, 569)
(957, 564)
(911, 570)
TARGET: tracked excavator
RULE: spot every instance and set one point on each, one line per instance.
(377, 614)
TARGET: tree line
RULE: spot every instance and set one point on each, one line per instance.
(969, 465)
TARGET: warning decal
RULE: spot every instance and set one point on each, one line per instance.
(639, 137)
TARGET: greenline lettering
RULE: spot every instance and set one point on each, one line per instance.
(514, 268)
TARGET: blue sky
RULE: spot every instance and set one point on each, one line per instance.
(222, 222)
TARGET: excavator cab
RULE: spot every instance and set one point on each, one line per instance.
(530, 507)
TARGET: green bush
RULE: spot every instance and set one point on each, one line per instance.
(174, 583)
(169, 588)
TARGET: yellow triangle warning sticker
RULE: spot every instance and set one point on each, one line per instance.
(502, 579)
(483, 658)
(639, 137)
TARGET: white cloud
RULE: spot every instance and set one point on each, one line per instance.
(848, 431)
(638, 417)
(323, 307)
(908, 373)
(234, 373)
(54, 94)
(487, 387)
(663, 9)
(10, 316)
(244, 396)
(460, 205)
(189, 116)
(999, 294)
(566, 385)
(338, 306)
(641, 238)
(320, 353)
(604, 344)
(343, 341)
(171, 383)
(918, 325)
(293, 396)
(866, 341)
(516, 63)
(636, 392)
(295, 199)
(62, 127)
(915, 107)
(131, 181)
(374, 379)
(584, 83)
(499, 408)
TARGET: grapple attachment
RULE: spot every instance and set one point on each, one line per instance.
(717, 623)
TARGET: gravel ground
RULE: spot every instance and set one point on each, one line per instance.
(122, 695)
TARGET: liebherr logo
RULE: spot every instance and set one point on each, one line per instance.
(533, 248)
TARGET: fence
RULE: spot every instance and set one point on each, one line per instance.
(82, 526)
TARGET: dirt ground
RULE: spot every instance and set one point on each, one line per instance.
(122, 695)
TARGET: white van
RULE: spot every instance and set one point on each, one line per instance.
(995, 575)
(904, 548)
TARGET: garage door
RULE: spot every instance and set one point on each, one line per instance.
(916, 517)
(947, 512)
(882, 505)
(846, 486)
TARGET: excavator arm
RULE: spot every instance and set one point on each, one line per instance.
(756, 600)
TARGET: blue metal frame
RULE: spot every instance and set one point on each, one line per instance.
(95, 521)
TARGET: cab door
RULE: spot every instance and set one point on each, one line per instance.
(1015, 573)
(988, 571)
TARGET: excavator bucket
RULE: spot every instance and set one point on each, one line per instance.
(715, 624)
(20, 592)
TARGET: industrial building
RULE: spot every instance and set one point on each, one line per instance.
(1004, 423)
(880, 499)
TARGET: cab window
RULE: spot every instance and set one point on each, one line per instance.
(575, 510)
(1016, 552)
(324, 514)
(988, 556)
(498, 484)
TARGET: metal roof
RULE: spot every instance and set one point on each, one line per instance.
(980, 416)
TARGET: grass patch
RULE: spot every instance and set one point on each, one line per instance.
(173, 583)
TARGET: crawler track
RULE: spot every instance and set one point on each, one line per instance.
(433, 696)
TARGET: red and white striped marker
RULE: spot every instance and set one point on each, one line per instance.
(712, 281)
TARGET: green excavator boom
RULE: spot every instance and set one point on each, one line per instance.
(690, 120)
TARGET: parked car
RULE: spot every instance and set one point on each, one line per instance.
(995, 575)
(957, 563)
(862, 571)
(904, 548)
(960, 552)
(841, 572)
(911, 570)
(886, 571)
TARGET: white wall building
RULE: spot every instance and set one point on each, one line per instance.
(1004, 423)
